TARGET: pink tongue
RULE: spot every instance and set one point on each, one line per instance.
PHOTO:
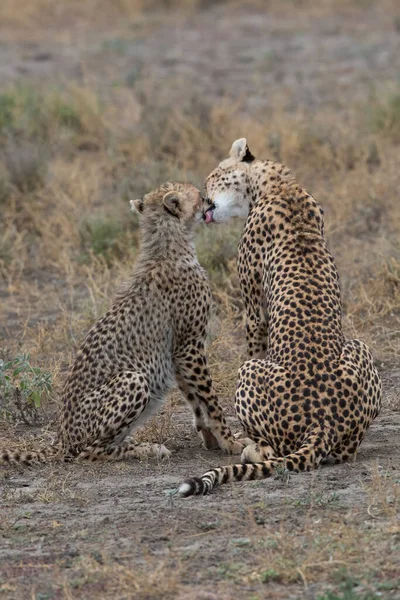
(209, 216)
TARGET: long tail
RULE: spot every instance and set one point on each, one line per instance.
(306, 458)
(14, 457)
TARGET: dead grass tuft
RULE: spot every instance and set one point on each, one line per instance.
(103, 576)
(328, 549)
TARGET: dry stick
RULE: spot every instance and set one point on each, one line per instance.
(303, 577)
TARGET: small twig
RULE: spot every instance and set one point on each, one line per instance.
(303, 577)
(325, 562)
(370, 513)
(200, 534)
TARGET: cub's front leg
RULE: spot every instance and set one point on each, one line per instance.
(194, 381)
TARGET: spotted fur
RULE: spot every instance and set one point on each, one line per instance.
(152, 337)
(307, 393)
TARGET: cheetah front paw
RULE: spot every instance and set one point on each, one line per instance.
(210, 442)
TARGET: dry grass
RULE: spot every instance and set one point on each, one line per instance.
(326, 547)
(68, 236)
(27, 14)
(97, 576)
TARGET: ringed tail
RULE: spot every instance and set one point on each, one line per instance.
(306, 458)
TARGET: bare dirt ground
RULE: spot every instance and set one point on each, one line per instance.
(112, 531)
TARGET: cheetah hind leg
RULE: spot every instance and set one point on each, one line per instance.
(121, 406)
(346, 451)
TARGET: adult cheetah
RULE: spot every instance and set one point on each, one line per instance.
(307, 393)
(152, 337)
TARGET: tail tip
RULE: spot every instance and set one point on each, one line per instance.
(191, 487)
(185, 489)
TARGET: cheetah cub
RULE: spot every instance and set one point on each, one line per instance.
(151, 338)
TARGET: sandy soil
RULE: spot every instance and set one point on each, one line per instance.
(223, 52)
(58, 516)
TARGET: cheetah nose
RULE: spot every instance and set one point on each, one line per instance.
(211, 205)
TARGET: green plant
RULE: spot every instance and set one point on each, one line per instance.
(66, 114)
(32, 114)
(269, 575)
(22, 388)
(324, 500)
(208, 525)
(101, 236)
(348, 591)
(282, 473)
(28, 111)
(6, 248)
(7, 104)
(26, 165)
(383, 116)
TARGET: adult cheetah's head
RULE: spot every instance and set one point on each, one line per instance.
(228, 188)
(179, 203)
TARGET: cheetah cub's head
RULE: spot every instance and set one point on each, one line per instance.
(228, 186)
(179, 203)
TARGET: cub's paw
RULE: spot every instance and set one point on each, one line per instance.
(251, 454)
(232, 446)
(243, 440)
(162, 452)
(147, 450)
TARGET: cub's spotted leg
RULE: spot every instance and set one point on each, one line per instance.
(116, 409)
(195, 383)
(202, 427)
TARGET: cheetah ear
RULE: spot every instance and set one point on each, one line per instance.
(136, 205)
(240, 151)
(172, 203)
